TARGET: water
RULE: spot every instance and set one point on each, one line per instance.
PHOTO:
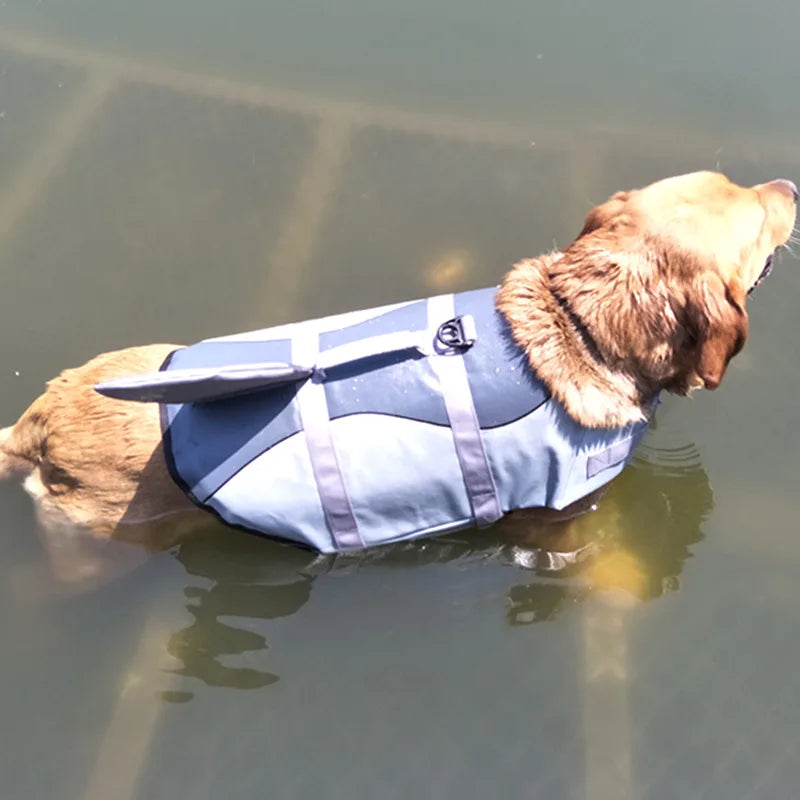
(170, 171)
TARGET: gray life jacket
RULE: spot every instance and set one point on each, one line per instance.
(372, 427)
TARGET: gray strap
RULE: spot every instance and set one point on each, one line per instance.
(382, 344)
(313, 408)
(449, 367)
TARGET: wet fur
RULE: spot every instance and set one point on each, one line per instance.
(650, 296)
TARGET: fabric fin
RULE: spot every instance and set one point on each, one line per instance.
(203, 384)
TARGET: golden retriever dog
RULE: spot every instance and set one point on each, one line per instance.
(649, 297)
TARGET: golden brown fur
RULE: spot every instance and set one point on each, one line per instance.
(650, 296)
(98, 461)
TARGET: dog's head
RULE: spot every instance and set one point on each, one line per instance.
(659, 276)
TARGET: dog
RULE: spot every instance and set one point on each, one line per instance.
(650, 297)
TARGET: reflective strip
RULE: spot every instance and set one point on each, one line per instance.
(449, 367)
(313, 408)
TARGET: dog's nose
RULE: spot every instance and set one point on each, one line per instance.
(789, 186)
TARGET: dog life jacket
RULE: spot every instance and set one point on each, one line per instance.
(373, 427)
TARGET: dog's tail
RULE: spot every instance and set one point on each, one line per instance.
(15, 460)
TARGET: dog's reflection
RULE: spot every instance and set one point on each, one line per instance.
(640, 536)
(635, 543)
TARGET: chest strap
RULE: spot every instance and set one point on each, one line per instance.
(448, 363)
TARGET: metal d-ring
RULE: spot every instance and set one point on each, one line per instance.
(457, 333)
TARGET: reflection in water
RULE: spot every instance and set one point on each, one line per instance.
(638, 538)
(252, 579)
(651, 516)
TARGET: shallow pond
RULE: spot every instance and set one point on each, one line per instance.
(174, 170)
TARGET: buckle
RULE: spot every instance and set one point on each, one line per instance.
(458, 333)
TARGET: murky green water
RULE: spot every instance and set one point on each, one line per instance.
(170, 171)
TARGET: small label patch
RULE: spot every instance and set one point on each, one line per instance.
(609, 457)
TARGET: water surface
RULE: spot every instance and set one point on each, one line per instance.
(171, 171)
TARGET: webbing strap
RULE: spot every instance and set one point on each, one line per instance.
(449, 367)
(313, 408)
(382, 344)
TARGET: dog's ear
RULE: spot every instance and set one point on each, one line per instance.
(606, 214)
(718, 323)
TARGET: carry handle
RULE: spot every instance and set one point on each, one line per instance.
(206, 384)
